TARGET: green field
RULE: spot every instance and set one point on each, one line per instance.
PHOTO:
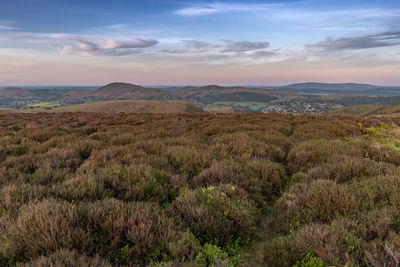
(251, 106)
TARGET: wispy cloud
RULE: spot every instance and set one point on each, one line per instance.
(242, 46)
(383, 39)
(6, 25)
(217, 7)
(7, 28)
(108, 47)
(228, 46)
(82, 44)
(191, 46)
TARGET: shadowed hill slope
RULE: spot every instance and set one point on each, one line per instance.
(15, 92)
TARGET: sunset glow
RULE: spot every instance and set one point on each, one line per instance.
(193, 42)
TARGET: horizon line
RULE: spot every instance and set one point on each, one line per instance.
(197, 85)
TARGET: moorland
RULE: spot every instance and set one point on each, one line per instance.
(119, 189)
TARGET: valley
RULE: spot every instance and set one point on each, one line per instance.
(287, 99)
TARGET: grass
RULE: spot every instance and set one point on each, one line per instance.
(43, 105)
(123, 189)
(357, 110)
(368, 110)
(254, 106)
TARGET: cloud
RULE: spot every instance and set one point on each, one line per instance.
(108, 48)
(197, 11)
(215, 8)
(384, 39)
(241, 46)
(7, 28)
(263, 54)
(237, 47)
(6, 25)
(192, 46)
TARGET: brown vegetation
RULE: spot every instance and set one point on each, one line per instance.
(102, 189)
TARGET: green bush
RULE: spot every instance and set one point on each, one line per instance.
(211, 255)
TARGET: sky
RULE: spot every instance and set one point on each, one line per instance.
(165, 42)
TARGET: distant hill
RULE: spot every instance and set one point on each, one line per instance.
(126, 91)
(333, 86)
(116, 106)
(201, 96)
(16, 93)
(119, 91)
(293, 98)
(209, 94)
(312, 88)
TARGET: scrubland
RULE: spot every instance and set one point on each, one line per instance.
(91, 189)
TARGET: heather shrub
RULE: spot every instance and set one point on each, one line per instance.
(12, 150)
(378, 191)
(318, 201)
(221, 173)
(64, 257)
(55, 166)
(220, 213)
(41, 134)
(101, 136)
(14, 195)
(122, 139)
(371, 238)
(278, 140)
(85, 147)
(135, 232)
(272, 177)
(261, 179)
(60, 142)
(134, 182)
(83, 187)
(305, 155)
(331, 129)
(379, 152)
(280, 251)
(188, 161)
(306, 189)
(342, 169)
(50, 167)
(41, 229)
(107, 157)
(18, 168)
(241, 144)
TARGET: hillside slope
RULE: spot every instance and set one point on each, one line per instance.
(116, 106)
(356, 110)
(368, 110)
(16, 93)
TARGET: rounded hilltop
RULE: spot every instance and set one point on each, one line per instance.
(15, 92)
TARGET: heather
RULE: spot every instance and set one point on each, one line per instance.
(98, 189)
